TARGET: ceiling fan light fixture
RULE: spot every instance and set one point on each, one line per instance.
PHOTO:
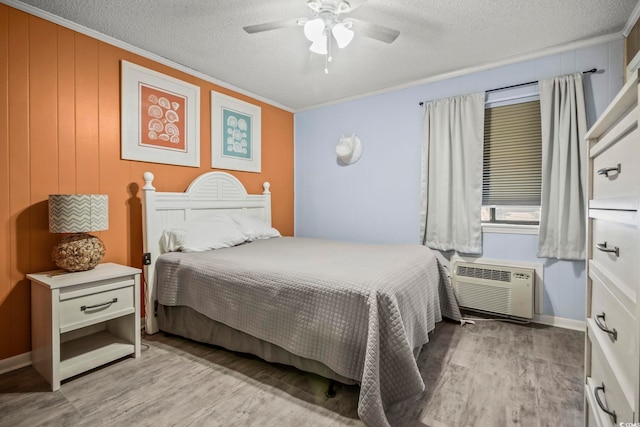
(343, 7)
(327, 22)
(314, 29)
(342, 34)
(314, 5)
(319, 46)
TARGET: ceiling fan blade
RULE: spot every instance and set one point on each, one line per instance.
(356, 3)
(375, 31)
(268, 26)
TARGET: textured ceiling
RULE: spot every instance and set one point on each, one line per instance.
(436, 37)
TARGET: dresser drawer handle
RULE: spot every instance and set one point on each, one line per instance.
(605, 171)
(600, 322)
(87, 307)
(612, 414)
(603, 247)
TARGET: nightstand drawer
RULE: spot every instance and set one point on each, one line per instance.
(86, 310)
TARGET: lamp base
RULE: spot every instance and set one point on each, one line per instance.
(78, 252)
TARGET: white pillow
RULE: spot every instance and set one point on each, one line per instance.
(254, 228)
(215, 232)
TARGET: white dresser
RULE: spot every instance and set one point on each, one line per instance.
(612, 352)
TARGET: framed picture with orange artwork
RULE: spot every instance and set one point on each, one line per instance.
(160, 118)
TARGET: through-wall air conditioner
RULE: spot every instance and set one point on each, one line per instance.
(495, 288)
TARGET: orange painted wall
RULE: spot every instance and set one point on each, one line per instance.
(60, 133)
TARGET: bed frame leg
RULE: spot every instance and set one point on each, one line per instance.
(331, 390)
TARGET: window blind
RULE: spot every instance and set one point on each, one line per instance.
(512, 170)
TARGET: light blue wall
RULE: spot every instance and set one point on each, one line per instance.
(377, 199)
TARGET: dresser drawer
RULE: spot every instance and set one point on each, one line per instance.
(97, 307)
(621, 265)
(607, 313)
(592, 418)
(624, 154)
(606, 389)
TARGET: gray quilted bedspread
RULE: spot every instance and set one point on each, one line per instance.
(360, 309)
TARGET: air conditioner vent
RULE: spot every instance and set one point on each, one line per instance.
(484, 273)
(501, 289)
(484, 297)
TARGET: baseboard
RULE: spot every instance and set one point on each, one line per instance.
(15, 362)
(560, 322)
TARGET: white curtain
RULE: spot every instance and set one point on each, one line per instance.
(451, 181)
(563, 211)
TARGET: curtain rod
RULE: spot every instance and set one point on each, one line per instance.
(593, 70)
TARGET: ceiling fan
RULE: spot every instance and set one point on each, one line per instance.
(327, 23)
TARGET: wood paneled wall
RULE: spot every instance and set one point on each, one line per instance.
(632, 43)
(60, 133)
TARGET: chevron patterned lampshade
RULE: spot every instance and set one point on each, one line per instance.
(78, 213)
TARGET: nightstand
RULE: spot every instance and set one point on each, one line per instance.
(82, 320)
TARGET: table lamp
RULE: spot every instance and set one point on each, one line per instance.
(78, 214)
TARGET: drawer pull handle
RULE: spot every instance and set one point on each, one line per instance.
(600, 322)
(611, 413)
(87, 307)
(605, 171)
(603, 247)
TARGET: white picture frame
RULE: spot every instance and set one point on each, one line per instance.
(160, 117)
(236, 134)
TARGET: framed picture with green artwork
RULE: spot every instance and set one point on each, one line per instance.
(235, 134)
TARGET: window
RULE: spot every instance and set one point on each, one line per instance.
(512, 170)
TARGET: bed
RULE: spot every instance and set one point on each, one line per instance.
(354, 313)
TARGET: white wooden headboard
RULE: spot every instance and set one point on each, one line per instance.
(212, 192)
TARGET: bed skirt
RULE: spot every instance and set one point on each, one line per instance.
(188, 323)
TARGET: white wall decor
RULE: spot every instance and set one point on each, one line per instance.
(349, 149)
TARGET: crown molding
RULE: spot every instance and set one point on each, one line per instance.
(179, 67)
(133, 49)
(476, 68)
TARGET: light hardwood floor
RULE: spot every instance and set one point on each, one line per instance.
(489, 374)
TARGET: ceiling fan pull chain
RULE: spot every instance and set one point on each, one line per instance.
(328, 58)
(329, 41)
